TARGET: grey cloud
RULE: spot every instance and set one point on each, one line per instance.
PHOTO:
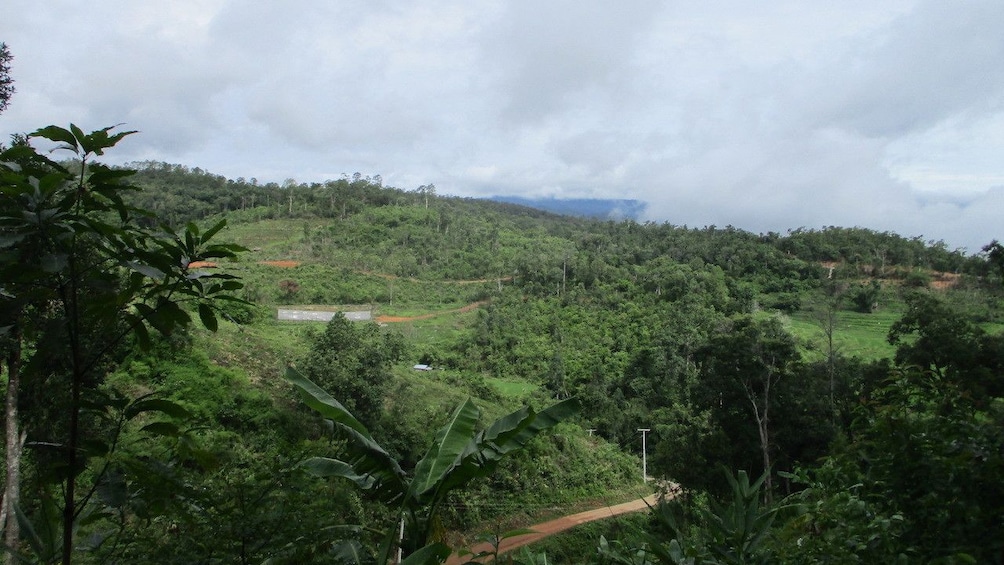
(541, 54)
(764, 116)
(940, 60)
(381, 78)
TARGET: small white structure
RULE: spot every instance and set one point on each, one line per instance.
(422, 367)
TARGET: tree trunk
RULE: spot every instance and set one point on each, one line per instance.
(69, 296)
(761, 415)
(13, 444)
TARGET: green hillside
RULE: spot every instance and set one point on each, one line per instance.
(799, 356)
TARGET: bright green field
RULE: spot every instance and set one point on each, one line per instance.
(855, 334)
(512, 389)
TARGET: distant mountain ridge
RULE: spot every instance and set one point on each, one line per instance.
(602, 208)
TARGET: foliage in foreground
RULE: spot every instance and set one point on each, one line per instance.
(458, 455)
(83, 274)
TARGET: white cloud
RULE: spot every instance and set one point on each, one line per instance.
(764, 116)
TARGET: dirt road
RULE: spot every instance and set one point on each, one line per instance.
(556, 526)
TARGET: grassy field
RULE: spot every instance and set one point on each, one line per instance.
(270, 239)
(513, 389)
(854, 334)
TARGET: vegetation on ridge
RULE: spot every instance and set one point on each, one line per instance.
(858, 373)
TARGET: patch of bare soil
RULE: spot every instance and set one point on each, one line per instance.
(942, 281)
(281, 264)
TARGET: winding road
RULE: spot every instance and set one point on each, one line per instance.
(541, 531)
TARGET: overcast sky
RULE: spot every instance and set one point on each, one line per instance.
(764, 115)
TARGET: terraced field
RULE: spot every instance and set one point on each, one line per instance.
(854, 334)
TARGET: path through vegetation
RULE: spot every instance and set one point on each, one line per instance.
(556, 526)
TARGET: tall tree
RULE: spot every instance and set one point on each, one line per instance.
(353, 361)
(745, 361)
(79, 276)
(919, 480)
(6, 82)
(995, 257)
(934, 336)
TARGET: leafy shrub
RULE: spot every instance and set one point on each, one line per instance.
(917, 279)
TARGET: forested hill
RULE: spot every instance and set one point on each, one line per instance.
(421, 233)
(861, 363)
(859, 374)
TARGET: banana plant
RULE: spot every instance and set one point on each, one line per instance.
(458, 454)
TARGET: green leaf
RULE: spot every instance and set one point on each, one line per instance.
(552, 416)
(445, 452)
(432, 553)
(95, 447)
(55, 133)
(505, 435)
(173, 313)
(367, 456)
(350, 551)
(191, 236)
(231, 286)
(162, 405)
(7, 240)
(103, 175)
(327, 467)
(213, 230)
(152, 272)
(112, 489)
(208, 317)
(54, 262)
(315, 397)
(114, 139)
(167, 429)
(140, 332)
(82, 141)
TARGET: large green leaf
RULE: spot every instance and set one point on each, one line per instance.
(316, 397)
(505, 435)
(327, 467)
(152, 272)
(446, 450)
(547, 419)
(208, 317)
(162, 405)
(350, 552)
(432, 553)
(366, 456)
(56, 133)
(213, 230)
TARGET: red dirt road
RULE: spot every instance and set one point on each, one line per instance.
(556, 526)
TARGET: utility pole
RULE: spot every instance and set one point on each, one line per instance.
(644, 455)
